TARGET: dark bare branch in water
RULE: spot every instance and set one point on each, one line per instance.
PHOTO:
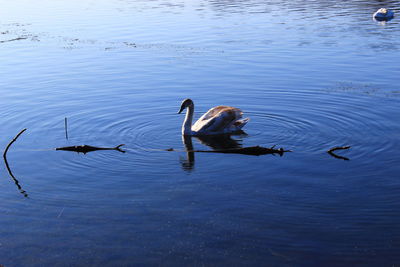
(15, 39)
(12, 141)
(338, 147)
(330, 152)
(8, 166)
(86, 148)
(251, 150)
(66, 128)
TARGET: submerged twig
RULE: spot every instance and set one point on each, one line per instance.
(8, 166)
(330, 152)
(86, 148)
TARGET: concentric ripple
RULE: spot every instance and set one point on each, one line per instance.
(305, 122)
(315, 122)
(309, 123)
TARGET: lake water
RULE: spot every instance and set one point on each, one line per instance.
(310, 75)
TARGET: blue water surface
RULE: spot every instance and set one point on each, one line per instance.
(310, 75)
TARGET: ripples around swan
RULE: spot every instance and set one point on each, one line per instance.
(307, 123)
(309, 77)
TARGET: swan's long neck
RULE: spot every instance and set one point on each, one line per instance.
(187, 123)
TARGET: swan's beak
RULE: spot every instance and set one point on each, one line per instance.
(182, 108)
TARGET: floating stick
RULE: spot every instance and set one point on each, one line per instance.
(330, 152)
(251, 150)
(12, 141)
(86, 148)
(337, 148)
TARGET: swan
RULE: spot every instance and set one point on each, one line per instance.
(218, 120)
(383, 14)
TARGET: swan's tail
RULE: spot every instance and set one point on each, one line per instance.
(239, 124)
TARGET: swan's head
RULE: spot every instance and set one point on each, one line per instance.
(185, 103)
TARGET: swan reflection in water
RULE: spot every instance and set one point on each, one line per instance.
(215, 142)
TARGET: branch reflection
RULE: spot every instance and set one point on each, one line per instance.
(22, 191)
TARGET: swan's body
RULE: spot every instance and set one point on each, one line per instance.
(383, 14)
(218, 120)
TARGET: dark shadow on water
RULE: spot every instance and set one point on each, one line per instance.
(225, 141)
(215, 142)
(188, 162)
(223, 144)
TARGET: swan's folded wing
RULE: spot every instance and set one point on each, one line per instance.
(216, 111)
(217, 119)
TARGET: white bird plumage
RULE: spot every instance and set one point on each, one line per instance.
(383, 14)
(217, 120)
